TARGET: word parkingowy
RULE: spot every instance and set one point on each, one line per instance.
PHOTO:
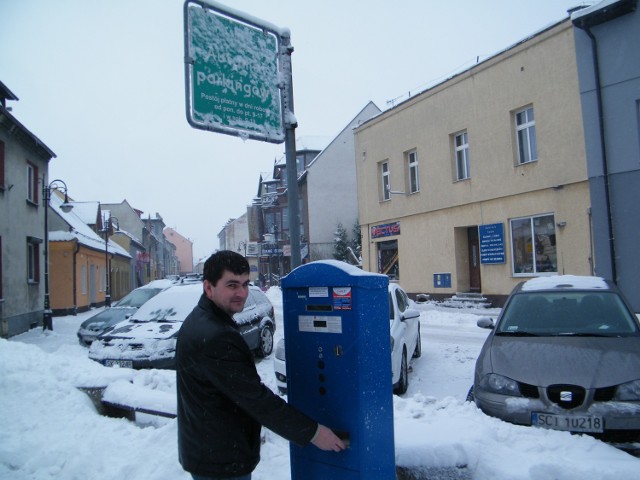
(236, 86)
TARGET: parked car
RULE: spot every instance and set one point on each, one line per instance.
(406, 342)
(148, 338)
(119, 311)
(563, 354)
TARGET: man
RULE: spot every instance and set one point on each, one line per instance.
(222, 402)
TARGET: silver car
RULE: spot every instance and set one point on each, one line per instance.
(119, 311)
(564, 354)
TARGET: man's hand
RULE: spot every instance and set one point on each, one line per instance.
(325, 439)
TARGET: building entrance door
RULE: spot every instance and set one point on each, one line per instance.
(474, 259)
(388, 259)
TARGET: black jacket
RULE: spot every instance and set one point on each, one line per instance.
(221, 400)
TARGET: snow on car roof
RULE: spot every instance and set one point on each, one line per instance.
(175, 303)
(161, 283)
(565, 281)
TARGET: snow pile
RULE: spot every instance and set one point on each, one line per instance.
(51, 429)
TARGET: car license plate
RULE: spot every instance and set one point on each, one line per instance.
(569, 423)
(119, 363)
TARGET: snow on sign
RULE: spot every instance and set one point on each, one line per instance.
(231, 73)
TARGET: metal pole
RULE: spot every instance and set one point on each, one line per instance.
(47, 316)
(107, 296)
(290, 152)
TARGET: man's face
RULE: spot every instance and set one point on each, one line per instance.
(230, 293)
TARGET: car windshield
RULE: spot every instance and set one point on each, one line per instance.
(579, 313)
(137, 297)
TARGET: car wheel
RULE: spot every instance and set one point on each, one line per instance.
(470, 396)
(266, 342)
(403, 383)
(417, 353)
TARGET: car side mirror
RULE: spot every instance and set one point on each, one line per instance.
(410, 313)
(486, 322)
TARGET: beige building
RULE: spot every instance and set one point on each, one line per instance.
(184, 250)
(480, 182)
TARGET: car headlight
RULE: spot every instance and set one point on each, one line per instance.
(500, 384)
(628, 392)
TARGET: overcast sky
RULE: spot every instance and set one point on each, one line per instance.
(101, 83)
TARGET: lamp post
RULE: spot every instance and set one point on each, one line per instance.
(106, 226)
(47, 316)
(242, 245)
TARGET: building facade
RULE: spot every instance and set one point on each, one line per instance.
(328, 183)
(607, 40)
(24, 161)
(183, 250)
(86, 266)
(480, 181)
(272, 203)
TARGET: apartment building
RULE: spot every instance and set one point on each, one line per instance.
(481, 181)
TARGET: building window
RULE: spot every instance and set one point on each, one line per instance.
(83, 279)
(33, 259)
(533, 242)
(412, 169)
(526, 136)
(385, 181)
(461, 142)
(32, 183)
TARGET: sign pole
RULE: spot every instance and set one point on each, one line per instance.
(290, 150)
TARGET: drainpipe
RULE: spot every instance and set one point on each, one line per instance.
(603, 151)
(75, 290)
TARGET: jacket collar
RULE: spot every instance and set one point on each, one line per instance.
(206, 304)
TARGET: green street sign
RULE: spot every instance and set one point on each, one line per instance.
(232, 77)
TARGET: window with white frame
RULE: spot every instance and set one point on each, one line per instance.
(413, 179)
(533, 245)
(526, 135)
(32, 183)
(461, 143)
(385, 181)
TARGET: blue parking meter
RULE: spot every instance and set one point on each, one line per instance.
(338, 357)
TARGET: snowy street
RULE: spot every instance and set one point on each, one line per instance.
(50, 429)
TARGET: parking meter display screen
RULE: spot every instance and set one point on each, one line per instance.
(319, 324)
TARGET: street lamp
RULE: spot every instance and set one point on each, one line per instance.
(106, 226)
(47, 316)
(242, 245)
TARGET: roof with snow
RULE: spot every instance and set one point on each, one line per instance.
(80, 231)
(86, 211)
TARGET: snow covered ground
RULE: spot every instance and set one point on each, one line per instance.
(50, 429)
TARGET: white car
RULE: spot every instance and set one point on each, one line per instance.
(406, 342)
(148, 338)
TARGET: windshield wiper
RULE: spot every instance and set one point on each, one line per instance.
(517, 334)
(574, 334)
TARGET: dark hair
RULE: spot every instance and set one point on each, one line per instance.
(223, 260)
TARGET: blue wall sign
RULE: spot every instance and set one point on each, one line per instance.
(441, 280)
(492, 243)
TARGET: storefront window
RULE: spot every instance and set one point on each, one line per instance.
(388, 259)
(533, 245)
